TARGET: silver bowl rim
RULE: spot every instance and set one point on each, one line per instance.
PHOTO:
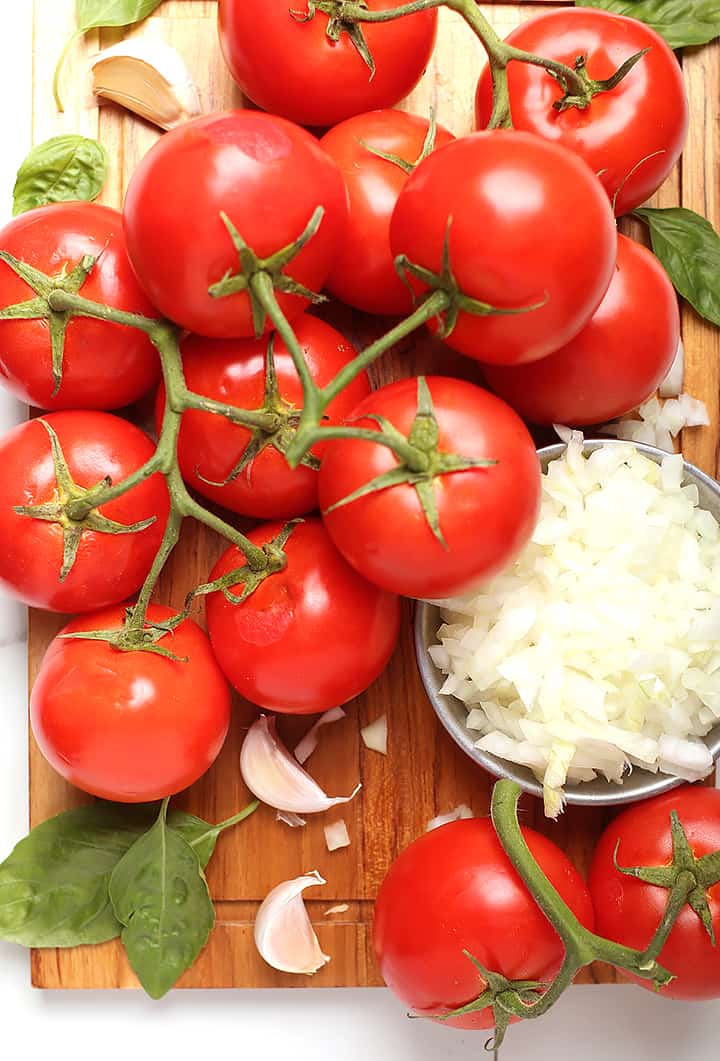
(577, 793)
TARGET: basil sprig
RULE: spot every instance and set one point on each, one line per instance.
(689, 248)
(680, 22)
(63, 169)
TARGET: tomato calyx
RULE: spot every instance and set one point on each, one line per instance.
(255, 270)
(40, 307)
(339, 22)
(275, 561)
(74, 508)
(420, 461)
(445, 281)
(134, 637)
(591, 87)
(404, 164)
(687, 879)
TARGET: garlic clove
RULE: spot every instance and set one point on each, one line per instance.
(149, 78)
(309, 742)
(275, 777)
(283, 933)
(375, 736)
(336, 835)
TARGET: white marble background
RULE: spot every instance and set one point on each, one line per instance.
(590, 1023)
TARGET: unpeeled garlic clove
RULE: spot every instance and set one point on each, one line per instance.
(283, 933)
(149, 78)
(275, 777)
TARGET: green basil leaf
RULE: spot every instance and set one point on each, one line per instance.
(680, 22)
(94, 14)
(201, 836)
(689, 248)
(62, 169)
(160, 895)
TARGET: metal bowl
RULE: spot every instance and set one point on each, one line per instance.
(640, 784)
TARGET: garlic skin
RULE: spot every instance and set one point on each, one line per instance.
(284, 936)
(149, 78)
(275, 777)
(455, 815)
(293, 820)
(310, 741)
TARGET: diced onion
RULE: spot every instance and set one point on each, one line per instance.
(660, 423)
(293, 820)
(455, 815)
(599, 648)
(336, 835)
(375, 736)
(672, 385)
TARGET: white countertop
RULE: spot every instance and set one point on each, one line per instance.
(589, 1023)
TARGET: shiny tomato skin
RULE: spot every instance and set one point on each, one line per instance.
(364, 273)
(455, 889)
(268, 176)
(233, 370)
(617, 361)
(105, 366)
(529, 224)
(629, 910)
(130, 726)
(645, 115)
(108, 567)
(310, 637)
(486, 514)
(289, 66)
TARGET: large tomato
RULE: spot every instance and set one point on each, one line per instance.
(484, 514)
(105, 366)
(632, 135)
(310, 637)
(267, 176)
(107, 567)
(455, 889)
(628, 910)
(615, 363)
(286, 63)
(235, 371)
(529, 225)
(364, 274)
(130, 726)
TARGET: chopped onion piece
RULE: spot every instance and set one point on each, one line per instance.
(336, 835)
(672, 385)
(660, 424)
(375, 736)
(455, 815)
(341, 908)
(293, 820)
(309, 742)
(599, 648)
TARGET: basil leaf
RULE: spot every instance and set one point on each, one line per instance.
(689, 248)
(161, 897)
(94, 14)
(62, 169)
(680, 22)
(54, 884)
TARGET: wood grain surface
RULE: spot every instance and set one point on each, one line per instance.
(424, 773)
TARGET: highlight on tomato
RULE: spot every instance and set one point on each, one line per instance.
(130, 726)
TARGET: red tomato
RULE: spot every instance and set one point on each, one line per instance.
(645, 115)
(130, 726)
(108, 567)
(455, 889)
(287, 64)
(617, 361)
(233, 370)
(364, 274)
(309, 638)
(268, 176)
(105, 366)
(485, 514)
(530, 225)
(628, 910)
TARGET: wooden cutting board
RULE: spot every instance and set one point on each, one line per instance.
(424, 773)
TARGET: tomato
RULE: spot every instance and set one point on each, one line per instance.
(631, 136)
(617, 361)
(485, 514)
(455, 889)
(108, 567)
(628, 910)
(529, 226)
(130, 726)
(364, 274)
(287, 64)
(105, 366)
(268, 176)
(310, 637)
(234, 371)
